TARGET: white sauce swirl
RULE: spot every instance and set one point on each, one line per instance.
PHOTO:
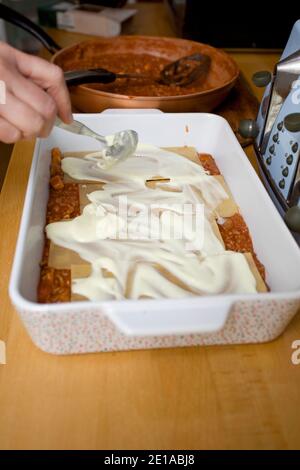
(149, 262)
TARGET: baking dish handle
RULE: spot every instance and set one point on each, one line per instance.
(132, 111)
(179, 317)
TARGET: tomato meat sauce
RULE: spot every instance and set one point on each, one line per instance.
(144, 64)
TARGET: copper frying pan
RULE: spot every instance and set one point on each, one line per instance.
(87, 98)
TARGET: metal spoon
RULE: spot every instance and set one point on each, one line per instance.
(182, 72)
(118, 146)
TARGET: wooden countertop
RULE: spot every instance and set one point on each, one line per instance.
(194, 398)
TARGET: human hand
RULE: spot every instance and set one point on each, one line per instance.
(35, 93)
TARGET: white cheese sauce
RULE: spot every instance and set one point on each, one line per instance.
(143, 236)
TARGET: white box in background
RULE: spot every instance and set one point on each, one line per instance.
(91, 19)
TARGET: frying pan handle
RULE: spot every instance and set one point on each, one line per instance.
(80, 77)
(14, 17)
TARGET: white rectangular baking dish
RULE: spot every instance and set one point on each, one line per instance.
(119, 325)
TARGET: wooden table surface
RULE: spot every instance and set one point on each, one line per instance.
(195, 398)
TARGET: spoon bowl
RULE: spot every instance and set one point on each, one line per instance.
(117, 147)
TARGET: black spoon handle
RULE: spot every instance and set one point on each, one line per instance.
(80, 77)
(14, 17)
